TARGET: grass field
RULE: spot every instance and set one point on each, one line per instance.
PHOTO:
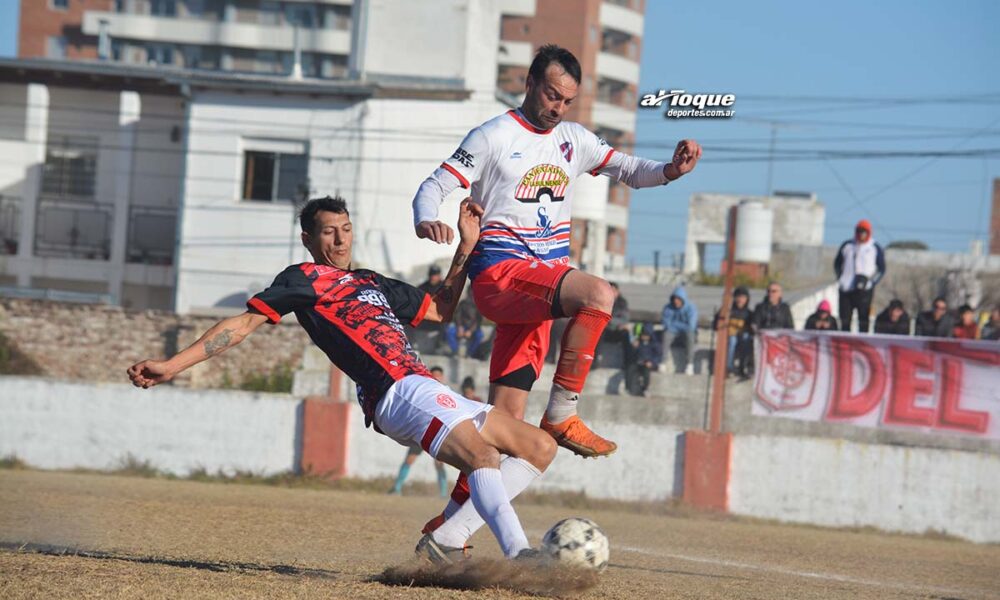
(87, 535)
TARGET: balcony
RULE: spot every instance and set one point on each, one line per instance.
(623, 19)
(209, 33)
(517, 8)
(515, 54)
(73, 229)
(611, 116)
(618, 68)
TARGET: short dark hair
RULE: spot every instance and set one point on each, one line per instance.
(468, 382)
(307, 216)
(438, 369)
(964, 309)
(550, 53)
(941, 300)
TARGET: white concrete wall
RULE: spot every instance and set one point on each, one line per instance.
(842, 483)
(642, 469)
(59, 425)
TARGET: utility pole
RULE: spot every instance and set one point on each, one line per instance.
(722, 331)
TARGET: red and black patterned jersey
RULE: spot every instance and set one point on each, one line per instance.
(354, 317)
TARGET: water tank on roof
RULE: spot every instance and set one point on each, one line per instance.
(754, 231)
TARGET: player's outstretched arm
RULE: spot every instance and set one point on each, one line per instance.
(685, 158)
(444, 301)
(223, 335)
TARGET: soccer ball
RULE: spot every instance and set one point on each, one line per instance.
(577, 542)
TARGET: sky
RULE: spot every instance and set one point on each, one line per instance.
(843, 77)
(785, 61)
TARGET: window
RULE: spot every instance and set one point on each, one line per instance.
(163, 8)
(273, 176)
(55, 47)
(60, 4)
(301, 15)
(160, 54)
(70, 170)
(269, 13)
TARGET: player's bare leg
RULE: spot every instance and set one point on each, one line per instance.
(493, 480)
(588, 301)
(506, 399)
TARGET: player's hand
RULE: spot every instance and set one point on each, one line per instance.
(469, 221)
(685, 158)
(148, 373)
(436, 231)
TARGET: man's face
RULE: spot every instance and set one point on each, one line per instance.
(332, 239)
(741, 301)
(438, 374)
(677, 302)
(774, 294)
(896, 314)
(547, 101)
(861, 234)
(434, 279)
(968, 317)
(939, 309)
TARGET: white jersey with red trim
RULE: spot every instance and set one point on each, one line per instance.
(523, 178)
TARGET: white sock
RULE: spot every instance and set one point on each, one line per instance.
(493, 505)
(517, 474)
(562, 404)
(451, 509)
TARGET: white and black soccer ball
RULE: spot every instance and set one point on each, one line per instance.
(577, 542)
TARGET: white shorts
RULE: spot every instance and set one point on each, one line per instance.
(419, 410)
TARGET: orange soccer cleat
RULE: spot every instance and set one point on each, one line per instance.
(576, 437)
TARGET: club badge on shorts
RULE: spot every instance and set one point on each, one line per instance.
(446, 401)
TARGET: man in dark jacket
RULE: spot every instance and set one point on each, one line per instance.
(859, 266)
(467, 325)
(935, 322)
(822, 320)
(772, 312)
(991, 331)
(893, 320)
(646, 357)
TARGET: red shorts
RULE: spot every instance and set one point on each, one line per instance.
(517, 295)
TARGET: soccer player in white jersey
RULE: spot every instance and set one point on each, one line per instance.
(521, 167)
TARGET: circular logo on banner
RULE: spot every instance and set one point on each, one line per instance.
(446, 401)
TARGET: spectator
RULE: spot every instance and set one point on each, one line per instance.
(935, 322)
(859, 266)
(427, 336)
(647, 357)
(614, 348)
(893, 320)
(467, 325)
(469, 389)
(772, 312)
(414, 451)
(822, 320)
(680, 324)
(967, 328)
(740, 335)
(991, 331)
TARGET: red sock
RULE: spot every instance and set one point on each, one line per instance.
(461, 492)
(579, 342)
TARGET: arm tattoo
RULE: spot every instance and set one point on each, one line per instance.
(219, 343)
(460, 259)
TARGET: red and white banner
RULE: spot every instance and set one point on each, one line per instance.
(925, 384)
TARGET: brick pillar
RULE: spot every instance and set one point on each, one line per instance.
(325, 437)
(707, 466)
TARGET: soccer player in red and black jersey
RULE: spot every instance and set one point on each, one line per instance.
(354, 316)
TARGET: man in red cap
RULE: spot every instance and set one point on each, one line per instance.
(859, 266)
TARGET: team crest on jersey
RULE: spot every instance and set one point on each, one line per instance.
(567, 150)
(542, 181)
(544, 223)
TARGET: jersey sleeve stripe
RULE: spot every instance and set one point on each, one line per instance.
(261, 307)
(462, 180)
(604, 163)
(426, 304)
